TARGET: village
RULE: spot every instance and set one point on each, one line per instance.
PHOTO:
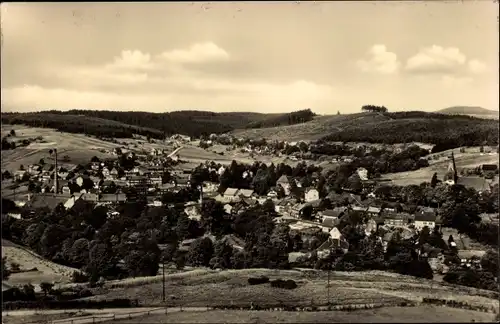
(309, 213)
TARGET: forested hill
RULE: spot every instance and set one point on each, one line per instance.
(296, 117)
(444, 131)
(125, 123)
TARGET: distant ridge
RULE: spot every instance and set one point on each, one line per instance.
(467, 110)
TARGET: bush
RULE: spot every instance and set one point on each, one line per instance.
(258, 280)
(79, 277)
(284, 284)
(15, 267)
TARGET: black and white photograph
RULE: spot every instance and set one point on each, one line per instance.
(250, 162)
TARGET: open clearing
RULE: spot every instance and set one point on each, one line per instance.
(420, 314)
(79, 148)
(201, 288)
(47, 270)
(462, 160)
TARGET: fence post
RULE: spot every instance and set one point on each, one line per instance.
(114, 317)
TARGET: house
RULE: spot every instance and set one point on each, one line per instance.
(362, 173)
(154, 202)
(245, 193)
(105, 172)
(34, 168)
(90, 197)
(44, 201)
(155, 179)
(272, 194)
(228, 208)
(335, 241)
(329, 223)
(133, 181)
(113, 174)
(209, 187)
(95, 166)
(425, 218)
(311, 195)
(370, 226)
(113, 198)
(75, 202)
(471, 258)
(284, 181)
(230, 195)
(396, 219)
(335, 213)
(18, 175)
(296, 210)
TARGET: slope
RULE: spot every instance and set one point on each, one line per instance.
(27, 260)
(467, 110)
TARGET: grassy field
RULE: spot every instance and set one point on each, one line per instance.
(78, 147)
(420, 314)
(313, 130)
(47, 270)
(440, 166)
(200, 288)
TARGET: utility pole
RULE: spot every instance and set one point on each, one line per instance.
(163, 279)
(55, 173)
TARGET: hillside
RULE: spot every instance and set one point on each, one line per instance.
(199, 288)
(467, 110)
(292, 118)
(442, 130)
(27, 260)
(156, 125)
(79, 124)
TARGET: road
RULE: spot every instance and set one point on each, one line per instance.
(101, 315)
(175, 151)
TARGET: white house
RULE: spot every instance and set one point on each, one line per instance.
(272, 194)
(230, 195)
(284, 182)
(311, 195)
(362, 173)
(425, 218)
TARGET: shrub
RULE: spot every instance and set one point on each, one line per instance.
(284, 284)
(15, 267)
(79, 277)
(258, 280)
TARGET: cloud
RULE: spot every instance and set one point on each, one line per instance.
(197, 53)
(131, 59)
(451, 81)
(436, 59)
(476, 66)
(380, 61)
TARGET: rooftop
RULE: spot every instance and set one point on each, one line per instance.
(230, 192)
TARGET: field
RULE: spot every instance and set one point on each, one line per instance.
(420, 314)
(201, 288)
(312, 130)
(78, 147)
(440, 166)
(47, 270)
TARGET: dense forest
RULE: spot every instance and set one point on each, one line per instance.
(296, 117)
(125, 123)
(444, 131)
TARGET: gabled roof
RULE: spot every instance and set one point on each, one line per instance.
(330, 222)
(230, 192)
(336, 212)
(284, 179)
(335, 233)
(113, 197)
(41, 201)
(245, 192)
(425, 216)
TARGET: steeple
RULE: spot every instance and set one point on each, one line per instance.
(453, 168)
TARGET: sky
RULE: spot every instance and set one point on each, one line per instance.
(260, 57)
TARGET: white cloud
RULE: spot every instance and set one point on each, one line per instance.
(450, 81)
(436, 59)
(131, 59)
(380, 61)
(476, 66)
(197, 53)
